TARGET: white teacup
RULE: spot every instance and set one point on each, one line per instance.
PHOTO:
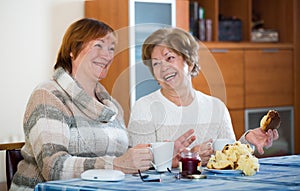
(163, 155)
(218, 144)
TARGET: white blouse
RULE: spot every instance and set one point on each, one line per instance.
(155, 118)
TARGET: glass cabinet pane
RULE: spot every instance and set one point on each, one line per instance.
(146, 17)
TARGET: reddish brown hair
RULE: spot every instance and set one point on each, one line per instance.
(77, 35)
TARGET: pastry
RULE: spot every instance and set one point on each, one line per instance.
(270, 121)
(236, 156)
(248, 164)
(220, 161)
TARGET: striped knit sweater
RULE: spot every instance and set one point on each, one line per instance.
(67, 132)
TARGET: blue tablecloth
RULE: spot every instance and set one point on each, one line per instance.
(276, 173)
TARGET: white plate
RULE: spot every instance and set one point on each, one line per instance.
(224, 171)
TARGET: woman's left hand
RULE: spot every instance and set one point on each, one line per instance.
(261, 139)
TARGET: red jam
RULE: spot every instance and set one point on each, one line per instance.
(189, 164)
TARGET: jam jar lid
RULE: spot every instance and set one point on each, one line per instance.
(187, 153)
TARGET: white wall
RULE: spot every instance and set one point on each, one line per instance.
(30, 36)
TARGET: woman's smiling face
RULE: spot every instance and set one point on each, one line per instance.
(169, 68)
(95, 58)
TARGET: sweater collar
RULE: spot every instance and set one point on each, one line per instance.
(103, 111)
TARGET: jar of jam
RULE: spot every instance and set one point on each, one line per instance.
(190, 163)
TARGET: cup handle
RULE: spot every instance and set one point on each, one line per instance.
(152, 163)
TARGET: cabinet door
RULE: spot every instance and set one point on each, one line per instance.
(230, 64)
(182, 16)
(268, 78)
(115, 13)
(238, 122)
(161, 14)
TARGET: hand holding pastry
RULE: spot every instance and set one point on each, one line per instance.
(265, 135)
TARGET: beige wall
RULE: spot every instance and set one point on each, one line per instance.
(30, 35)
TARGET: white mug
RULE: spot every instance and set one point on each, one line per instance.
(162, 155)
(218, 144)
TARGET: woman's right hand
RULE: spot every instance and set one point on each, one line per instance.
(136, 158)
(182, 143)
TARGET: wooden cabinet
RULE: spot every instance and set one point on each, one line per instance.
(296, 41)
(238, 122)
(244, 76)
(274, 14)
(223, 72)
(231, 65)
(268, 78)
(115, 13)
(222, 76)
(249, 75)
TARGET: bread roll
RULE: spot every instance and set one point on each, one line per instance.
(270, 121)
